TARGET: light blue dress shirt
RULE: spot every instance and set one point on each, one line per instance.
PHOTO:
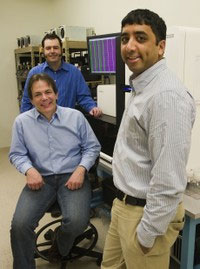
(53, 147)
(70, 83)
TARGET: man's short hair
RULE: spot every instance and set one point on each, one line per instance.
(43, 77)
(51, 36)
(145, 16)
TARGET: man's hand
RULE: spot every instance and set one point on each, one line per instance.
(76, 180)
(96, 112)
(34, 179)
(144, 249)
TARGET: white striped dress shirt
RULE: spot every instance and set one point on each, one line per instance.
(152, 147)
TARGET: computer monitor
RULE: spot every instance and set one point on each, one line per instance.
(102, 51)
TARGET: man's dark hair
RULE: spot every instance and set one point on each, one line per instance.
(51, 36)
(145, 16)
(44, 77)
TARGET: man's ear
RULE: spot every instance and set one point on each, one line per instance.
(162, 45)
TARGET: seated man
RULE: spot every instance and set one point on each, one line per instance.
(53, 147)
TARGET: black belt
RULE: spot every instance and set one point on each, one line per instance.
(130, 199)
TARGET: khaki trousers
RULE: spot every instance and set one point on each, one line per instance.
(122, 250)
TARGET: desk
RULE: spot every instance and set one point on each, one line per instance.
(192, 209)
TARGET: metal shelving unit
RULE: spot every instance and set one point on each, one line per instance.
(70, 46)
(25, 59)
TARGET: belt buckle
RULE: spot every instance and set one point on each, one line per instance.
(124, 198)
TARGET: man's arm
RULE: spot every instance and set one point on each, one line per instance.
(18, 154)
(19, 157)
(170, 122)
(77, 178)
(90, 147)
(84, 97)
(90, 150)
(34, 179)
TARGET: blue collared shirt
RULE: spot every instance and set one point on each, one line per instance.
(70, 83)
(53, 147)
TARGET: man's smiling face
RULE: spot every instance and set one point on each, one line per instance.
(44, 98)
(139, 49)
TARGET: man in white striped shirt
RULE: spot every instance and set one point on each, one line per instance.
(151, 152)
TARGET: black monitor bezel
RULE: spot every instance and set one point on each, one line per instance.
(99, 37)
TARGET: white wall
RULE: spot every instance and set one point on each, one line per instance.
(21, 17)
(17, 18)
(106, 15)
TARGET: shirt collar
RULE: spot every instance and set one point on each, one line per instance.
(37, 115)
(141, 81)
(63, 66)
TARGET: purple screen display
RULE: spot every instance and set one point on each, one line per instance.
(102, 53)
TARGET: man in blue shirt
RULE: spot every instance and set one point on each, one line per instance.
(70, 83)
(53, 147)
